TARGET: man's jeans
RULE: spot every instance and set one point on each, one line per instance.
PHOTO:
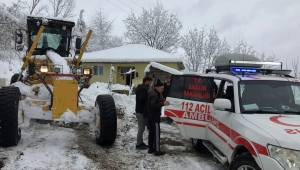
(142, 122)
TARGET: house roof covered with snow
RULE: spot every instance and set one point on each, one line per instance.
(163, 68)
(131, 53)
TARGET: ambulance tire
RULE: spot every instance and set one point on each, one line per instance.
(197, 144)
(10, 133)
(243, 160)
(107, 132)
(15, 77)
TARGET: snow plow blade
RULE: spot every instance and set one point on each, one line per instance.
(65, 96)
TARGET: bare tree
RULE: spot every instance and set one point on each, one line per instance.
(11, 18)
(34, 7)
(295, 67)
(201, 48)
(80, 27)
(62, 8)
(213, 48)
(269, 58)
(193, 44)
(102, 28)
(115, 41)
(243, 48)
(155, 28)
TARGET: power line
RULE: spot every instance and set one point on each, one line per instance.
(118, 7)
(136, 4)
(128, 6)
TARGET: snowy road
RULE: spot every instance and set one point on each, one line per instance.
(46, 147)
(50, 146)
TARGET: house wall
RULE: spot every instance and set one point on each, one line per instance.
(117, 78)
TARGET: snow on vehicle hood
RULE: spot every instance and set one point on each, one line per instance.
(284, 128)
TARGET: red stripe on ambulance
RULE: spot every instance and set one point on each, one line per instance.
(232, 134)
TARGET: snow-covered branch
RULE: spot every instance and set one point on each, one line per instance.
(201, 48)
(243, 48)
(155, 28)
(4, 14)
(34, 7)
(102, 28)
(62, 8)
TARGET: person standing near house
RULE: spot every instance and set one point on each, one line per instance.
(140, 108)
(166, 87)
(154, 105)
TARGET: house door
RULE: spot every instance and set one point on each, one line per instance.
(126, 77)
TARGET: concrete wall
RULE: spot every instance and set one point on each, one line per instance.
(117, 78)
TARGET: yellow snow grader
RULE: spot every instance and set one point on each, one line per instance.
(49, 67)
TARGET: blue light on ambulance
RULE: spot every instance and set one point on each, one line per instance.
(248, 70)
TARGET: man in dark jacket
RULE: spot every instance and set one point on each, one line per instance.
(154, 105)
(140, 108)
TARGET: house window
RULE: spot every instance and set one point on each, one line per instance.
(98, 70)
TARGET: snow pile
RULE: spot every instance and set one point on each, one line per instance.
(101, 85)
(68, 116)
(28, 90)
(124, 103)
(8, 70)
(58, 60)
(33, 110)
(45, 147)
(163, 68)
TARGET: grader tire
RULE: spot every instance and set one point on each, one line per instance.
(108, 120)
(14, 78)
(10, 134)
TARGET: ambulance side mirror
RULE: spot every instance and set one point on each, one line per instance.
(222, 104)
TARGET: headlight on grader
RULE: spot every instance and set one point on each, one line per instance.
(87, 71)
(44, 69)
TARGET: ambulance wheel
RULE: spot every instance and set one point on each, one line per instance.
(106, 120)
(14, 78)
(197, 144)
(10, 133)
(244, 161)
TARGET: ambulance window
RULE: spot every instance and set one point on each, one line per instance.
(216, 89)
(296, 93)
(198, 89)
(228, 92)
(176, 86)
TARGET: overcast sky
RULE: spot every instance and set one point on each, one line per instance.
(270, 25)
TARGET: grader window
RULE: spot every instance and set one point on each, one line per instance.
(53, 38)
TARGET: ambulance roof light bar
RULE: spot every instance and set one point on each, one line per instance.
(248, 70)
(256, 62)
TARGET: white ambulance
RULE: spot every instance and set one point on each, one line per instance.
(251, 122)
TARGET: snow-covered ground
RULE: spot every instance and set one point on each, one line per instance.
(8, 70)
(54, 145)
